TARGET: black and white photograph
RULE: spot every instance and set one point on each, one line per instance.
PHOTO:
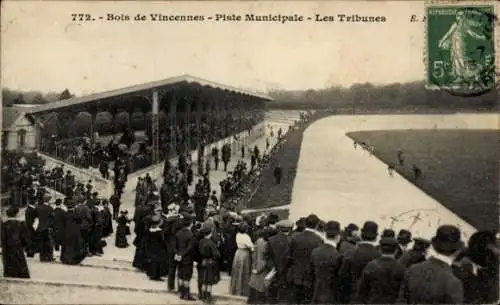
(250, 152)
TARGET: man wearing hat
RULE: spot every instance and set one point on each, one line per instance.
(349, 238)
(381, 278)
(404, 238)
(355, 260)
(326, 262)
(433, 281)
(300, 274)
(59, 220)
(45, 215)
(184, 250)
(29, 218)
(276, 255)
(417, 254)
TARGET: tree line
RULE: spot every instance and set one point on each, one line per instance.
(11, 97)
(358, 98)
(367, 98)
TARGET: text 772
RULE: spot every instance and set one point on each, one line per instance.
(82, 17)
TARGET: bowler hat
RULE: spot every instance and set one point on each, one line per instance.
(351, 227)
(332, 228)
(447, 239)
(12, 211)
(388, 233)
(421, 243)
(388, 244)
(404, 237)
(370, 229)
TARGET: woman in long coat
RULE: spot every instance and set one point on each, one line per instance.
(122, 230)
(155, 249)
(73, 249)
(259, 269)
(14, 240)
(241, 270)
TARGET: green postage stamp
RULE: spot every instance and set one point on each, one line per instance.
(461, 48)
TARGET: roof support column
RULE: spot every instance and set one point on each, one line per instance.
(155, 126)
(172, 119)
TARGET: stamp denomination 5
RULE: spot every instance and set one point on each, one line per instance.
(461, 48)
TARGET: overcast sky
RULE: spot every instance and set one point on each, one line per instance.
(42, 49)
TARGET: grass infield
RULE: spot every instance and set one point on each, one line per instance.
(459, 167)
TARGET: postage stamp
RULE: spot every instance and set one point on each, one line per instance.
(461, 48)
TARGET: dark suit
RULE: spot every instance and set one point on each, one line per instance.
(299, 263)
(276, 257)
(185, 243)
(431, 282)
(412, 257)
(326, 262)
(59, 222)
(353, 263)
(45, 215)
(380, 281)
(30, 216)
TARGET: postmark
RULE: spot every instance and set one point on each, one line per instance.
(460, 46)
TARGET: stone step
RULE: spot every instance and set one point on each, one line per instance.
(105, 278)
(27, 291)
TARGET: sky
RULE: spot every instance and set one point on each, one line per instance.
(43, 49)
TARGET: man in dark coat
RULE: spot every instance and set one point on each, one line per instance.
(173, 224)
(184, 251)
(59, 220)
(404, 238)
(276, 257)
(29, 218)
(417, 254)
(140, 230)
(433, 281)
(299, 261)
(45, 215)
(215, 155)
(14, 238)
(326, 262)
(107, 229)
(277, 173)
(354, 261)
(115, 203)
(97, 228)
(381, 278)
(229, 249)
(86, 223)
(349, 238)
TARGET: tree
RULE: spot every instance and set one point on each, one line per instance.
(121, 121)
(65, 95)
(38, 99)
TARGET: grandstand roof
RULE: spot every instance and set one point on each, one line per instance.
(141, 87)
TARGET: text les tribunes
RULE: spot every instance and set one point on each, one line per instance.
(220, 17)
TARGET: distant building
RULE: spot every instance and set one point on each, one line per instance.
(18, 131)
